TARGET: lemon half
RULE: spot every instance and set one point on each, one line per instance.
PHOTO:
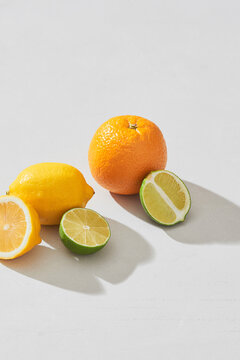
(19, 227)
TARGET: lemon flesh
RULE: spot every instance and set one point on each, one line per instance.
(19, 227)
(165, 197)
(84, 231)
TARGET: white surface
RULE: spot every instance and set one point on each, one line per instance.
(67, 66)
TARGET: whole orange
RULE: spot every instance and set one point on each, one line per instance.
(124, 150)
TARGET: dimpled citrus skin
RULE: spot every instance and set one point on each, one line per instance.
(124, 150)
(52, 189)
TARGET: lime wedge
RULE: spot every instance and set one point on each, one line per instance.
(165, 197)
(84, 231)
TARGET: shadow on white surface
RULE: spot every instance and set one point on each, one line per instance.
(132, 204)
(57, 266)
(212, 219)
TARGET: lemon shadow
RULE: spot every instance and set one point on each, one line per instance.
(212, 219)
(53, 264)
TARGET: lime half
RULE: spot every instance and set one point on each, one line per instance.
(165, 197)
(84, 231)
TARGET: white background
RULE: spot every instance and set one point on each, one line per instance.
(66, 67)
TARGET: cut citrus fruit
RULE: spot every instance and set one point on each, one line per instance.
(19, 227)
(84, 231)
(165, 197)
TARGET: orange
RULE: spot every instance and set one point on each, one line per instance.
(124, 150)
(19, 227)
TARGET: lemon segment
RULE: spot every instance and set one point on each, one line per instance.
(19, 227)
(165, 197)
(84, 231)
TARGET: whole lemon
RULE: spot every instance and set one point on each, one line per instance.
(52, 189)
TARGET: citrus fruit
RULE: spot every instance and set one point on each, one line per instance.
(124, 150)
(165, 197)
(19, 227)
(84, 231)
(52, 189)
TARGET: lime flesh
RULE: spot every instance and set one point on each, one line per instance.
(165, 197)
(84, 231)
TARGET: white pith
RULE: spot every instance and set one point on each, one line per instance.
(180, 214)
(20, 203)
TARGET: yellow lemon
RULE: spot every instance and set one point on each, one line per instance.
(52, 189)
(19, 227)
